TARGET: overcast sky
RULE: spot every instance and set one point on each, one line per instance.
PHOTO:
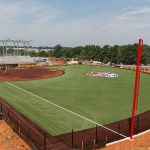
(75, 22)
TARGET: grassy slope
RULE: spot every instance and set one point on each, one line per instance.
(100, 99)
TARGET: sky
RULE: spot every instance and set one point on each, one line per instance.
(75, 22)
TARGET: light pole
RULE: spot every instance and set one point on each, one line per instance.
(15, 43)
(6, 47)
(24, 46)
(28, 44)
(17, 47)
(3, 42)
(3, 45)
(14, 47)
(21, 42)
(3, 48)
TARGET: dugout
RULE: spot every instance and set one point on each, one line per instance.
(9, 65)
(31, 65)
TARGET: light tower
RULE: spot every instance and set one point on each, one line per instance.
(3, 47)
(6, 47)
(15, 43)
(21, 42)
(28, 45)
(14, 47)
(3, 43)
(24, 46)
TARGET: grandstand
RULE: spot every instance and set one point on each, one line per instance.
(17, 61)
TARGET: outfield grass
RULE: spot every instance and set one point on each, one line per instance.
(100, 99)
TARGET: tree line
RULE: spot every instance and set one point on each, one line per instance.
(125, 54)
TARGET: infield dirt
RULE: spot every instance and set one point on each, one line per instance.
(29, 74)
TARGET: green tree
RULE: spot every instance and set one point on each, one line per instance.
(43, 54)
(58, 51)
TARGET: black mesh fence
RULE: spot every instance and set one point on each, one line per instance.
(36, 137)
(91, 138)
(99, 136)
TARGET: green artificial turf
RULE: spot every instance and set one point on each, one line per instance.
(100, 99)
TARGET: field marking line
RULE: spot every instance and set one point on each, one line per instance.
(128, 138)
(65, 109)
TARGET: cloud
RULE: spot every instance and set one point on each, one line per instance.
(29, 10)
(129, 26)
(26, 19)
(140, 11)
(44, 25)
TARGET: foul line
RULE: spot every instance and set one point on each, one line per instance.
(65, 109)
(128, 138)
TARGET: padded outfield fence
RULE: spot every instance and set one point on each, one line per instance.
(91, 138)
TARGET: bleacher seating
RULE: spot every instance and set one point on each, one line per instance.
(16, 60)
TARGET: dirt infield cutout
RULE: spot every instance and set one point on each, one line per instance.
(29, 74)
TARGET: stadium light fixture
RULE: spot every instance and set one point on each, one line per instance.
(15, 44)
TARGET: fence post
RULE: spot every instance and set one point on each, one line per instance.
(137, 129)
(44, 141)
(129, 125)
(106, 138)
(8, 115)
(72, 139)
(82, 146)
(118, 131)
(96, 139)
(28, 133)
(1, 108)
(18, 126)
(1, 113)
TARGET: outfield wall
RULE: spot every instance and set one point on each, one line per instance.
(91, 138)
(99, 137)
(37, 138)
(145, 69)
